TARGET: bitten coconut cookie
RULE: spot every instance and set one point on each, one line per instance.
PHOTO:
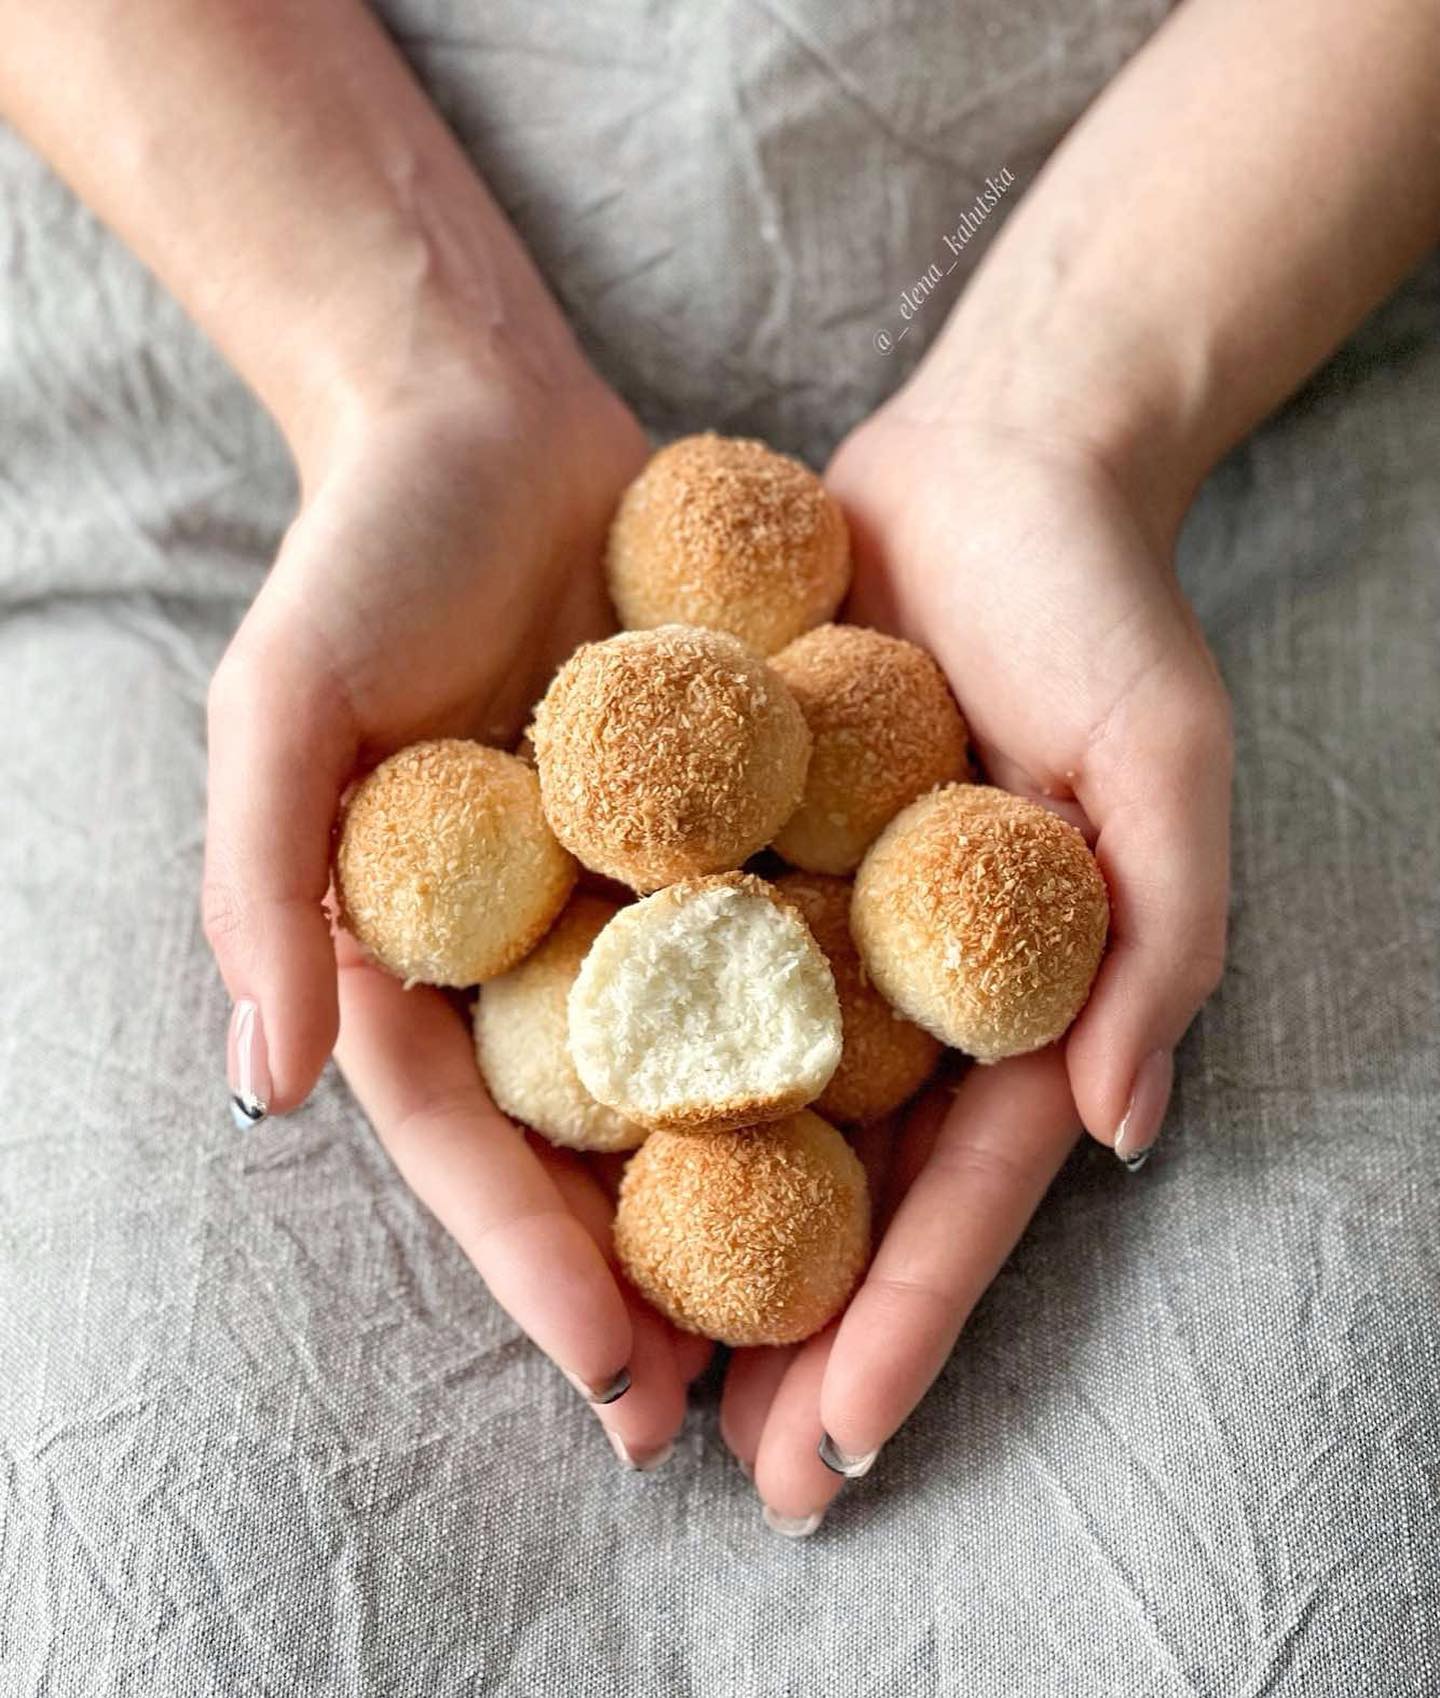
(667, 754)
(750, 1237)
(884, 1059)
(886, 729)
(445, 868)
(522, 1038)
(708, 1004)
(983, 918)
(726, 533)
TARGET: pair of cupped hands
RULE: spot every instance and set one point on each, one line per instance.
(446, 558)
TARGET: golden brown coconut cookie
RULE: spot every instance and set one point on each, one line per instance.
(667, 754)
(886, 730)
(750, 1237)
(522, 1038)
(983, 918)
(724, 532)
(445, 868)
(708, 1004)
(885, 1059)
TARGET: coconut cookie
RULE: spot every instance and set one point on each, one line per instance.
(708, 1004)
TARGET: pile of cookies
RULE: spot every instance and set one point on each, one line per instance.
(720, 1024)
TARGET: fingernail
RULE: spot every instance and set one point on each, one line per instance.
(1149, 1097)
(792, 1526)
(849, 1465)
(641, 1462)
(247, 1066)
(608, 1391)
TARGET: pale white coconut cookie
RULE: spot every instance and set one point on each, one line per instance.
(707, 1004)
(522, 1038)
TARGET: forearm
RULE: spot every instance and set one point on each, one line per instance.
(277, 166)
(1256, 180)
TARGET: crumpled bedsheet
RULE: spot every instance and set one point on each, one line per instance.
(261, 1429)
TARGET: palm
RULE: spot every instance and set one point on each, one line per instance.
(448, 560)
(1028, 577)
(1086, 683)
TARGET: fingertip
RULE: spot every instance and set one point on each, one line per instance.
(643, 1425)
(280, 747)
(284, 1018)
(751, 1381)
(795, 1487)
(1099, 1077)
(1119, 1055)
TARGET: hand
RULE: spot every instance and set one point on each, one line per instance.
(445, 558)
(1046, 592)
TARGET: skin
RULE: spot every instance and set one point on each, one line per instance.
(1246, 190)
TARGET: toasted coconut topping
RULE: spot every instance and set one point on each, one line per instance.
(445, 868)
(726, 533)
(886, 730)
(667, 754)
(885, 1058)
(982, 917)
(749, 1237)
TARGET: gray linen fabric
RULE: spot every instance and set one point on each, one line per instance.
(261, 1431)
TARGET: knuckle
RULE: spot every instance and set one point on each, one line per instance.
(988, 1169)
(1204, 961)
(901, 1291)
(1205, 731)
(221, 913)
(1207, 969)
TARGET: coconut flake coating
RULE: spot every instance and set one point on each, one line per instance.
(726, 533)
(885, 1058)
(668, 754)
(982, 917)
(522, 1038)
(886, 729)
(445, 868)
(749, 1237)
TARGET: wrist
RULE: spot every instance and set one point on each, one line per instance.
(428, 342)
(1080, 385)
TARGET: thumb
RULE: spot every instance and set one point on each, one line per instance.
(282, 746)
(1158, 790)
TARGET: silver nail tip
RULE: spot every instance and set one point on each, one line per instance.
(246, 1111)
(643, 1464)
(1133, 1164)
(841, 1462)
(613, 1392)
(792, 1526)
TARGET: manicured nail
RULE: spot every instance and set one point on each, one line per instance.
(642, 1462)
(247, 1066)
(849, 1465)
(1149, 1097)
(792, 1526)
(608, 1391)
